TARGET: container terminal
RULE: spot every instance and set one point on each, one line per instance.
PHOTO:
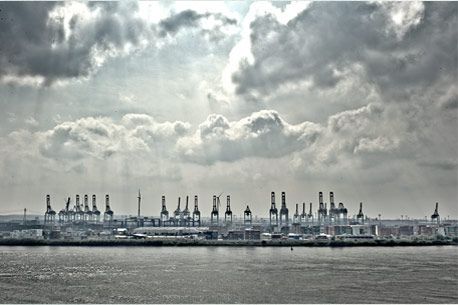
(82, 220)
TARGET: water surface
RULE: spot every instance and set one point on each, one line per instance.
(228, 275)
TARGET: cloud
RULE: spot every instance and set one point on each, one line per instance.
(449, 101)
(49, 42)
(31, 122)
(192, 19)
(351, 140)
(101, 138)
(263, 134)
(54, 42)
(440, 164)
(402, 49)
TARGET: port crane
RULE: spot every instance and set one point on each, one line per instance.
(304, 214)
(247, 217)
(79, 213)
(342, 213)
(177, 213)
(50, 214)
(283, 210)
(87, 211)
(108, 215)
(164, 212)
(333, 212)
(186, 213)
(95, 212)
(360, 216)
(322, 210)
(296, 216)
(228, 214)
(273, 212)
(215, 211)
(435, 215)
(310, 215)
(196, 213)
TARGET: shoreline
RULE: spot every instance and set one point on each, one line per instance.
(226, 243)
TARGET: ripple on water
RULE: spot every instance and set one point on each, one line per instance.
(228, 275)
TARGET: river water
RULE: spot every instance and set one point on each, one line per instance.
(228, 275)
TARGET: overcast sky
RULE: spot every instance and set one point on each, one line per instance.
(192, 98)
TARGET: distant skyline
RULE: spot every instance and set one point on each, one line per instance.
(245, 98)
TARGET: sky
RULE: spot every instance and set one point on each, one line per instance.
(240, 98)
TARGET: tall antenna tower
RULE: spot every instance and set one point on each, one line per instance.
(139, 201)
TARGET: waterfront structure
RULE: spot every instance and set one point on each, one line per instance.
(228, 214)
(333, 212)
(360, 216)
(80, 218)
(186, 221)
(95, 212)
(164, 213)
(273, 212)
(247, 217)
(50, 214)
(196, 213)
(284, 219)
(215, 211)
(108, 215)
(435, 217)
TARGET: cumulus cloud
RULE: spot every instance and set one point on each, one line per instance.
(100, 138)
(359, 138)
(356, 140)
(400, 48)
(262, 134)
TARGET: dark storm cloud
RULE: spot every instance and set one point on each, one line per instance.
(189, 19)
(327, 39)
(38, 45)
(48, 41)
